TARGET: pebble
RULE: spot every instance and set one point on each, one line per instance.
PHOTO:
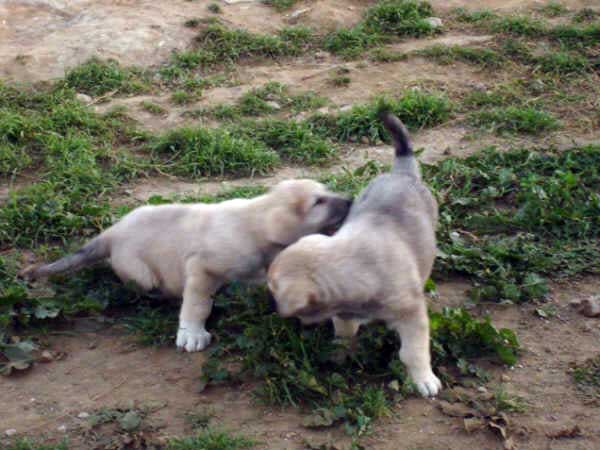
(84, 98)
(83, 415)
(482, 389)
(274, 105)
(298, 13)
(505, 378)
(10, 432)
(435, 22)
(62, 428)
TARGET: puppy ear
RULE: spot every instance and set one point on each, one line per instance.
(282, 226)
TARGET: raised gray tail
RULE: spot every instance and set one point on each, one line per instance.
(405, 159)
(94, 251)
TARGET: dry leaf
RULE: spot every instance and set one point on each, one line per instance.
(456, 409)
(566, 433)
(474, 424)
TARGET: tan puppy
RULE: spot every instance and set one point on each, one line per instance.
(374, 267)
(190, 251)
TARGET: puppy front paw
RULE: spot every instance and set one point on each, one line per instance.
(192, 338)
(427, 383)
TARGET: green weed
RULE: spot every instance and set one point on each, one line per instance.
(508, 402)
(152, 108)
(415, 108)
(192, 23)
(587, 376)
(211, 440)
(280, 5)
(447, 54)
(96, 77)
(576, 37)
(201, 152)
(350, 42)
(514, 119)
(502, 95)
(214, 8)
(553, 9)
(562, 63)
(399, 18)
(383, 54)
(519, 26)
(474, 16)
(294, 141)
(182, 97)
(26, 444)
(585, 15)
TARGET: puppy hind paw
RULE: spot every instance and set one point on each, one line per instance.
(192, 340)
(428, 384)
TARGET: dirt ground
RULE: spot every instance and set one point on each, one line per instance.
(103, 368)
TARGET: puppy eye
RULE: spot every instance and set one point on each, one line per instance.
(320, 201)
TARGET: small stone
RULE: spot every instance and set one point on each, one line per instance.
(83, 415)
(590, 307)
(62, 428)
(298, 13)
(505, 378)
(10, 432)
(46, 356)
(321, 55)
(435, 22)
(83, 98)
(233, 2)
(345, 108)
(364, 140)
(479, 86)
(323, 110)
(482, 389)
(274, 105)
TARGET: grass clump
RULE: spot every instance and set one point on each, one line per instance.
(553, 9)
(211, 440)
(199, 152)
(152, 108)
(474, 16)
(399, 18)
(270, 98)
(214, 8)
(280, 5)
(26, 444)
(350, 42)
(182, 97)
(561, 63)
(587, 377)
(513, 119)
(295, 142)
(576, 36)
(97, 77)
(519, 26)
(585, 15)
(447, 54)
(415, 108)
(218, 44)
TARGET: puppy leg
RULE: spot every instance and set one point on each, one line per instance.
(196, 308)
(345, 328)
(413, 329)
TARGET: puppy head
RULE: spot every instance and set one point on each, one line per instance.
(303, 207)
(295, 291)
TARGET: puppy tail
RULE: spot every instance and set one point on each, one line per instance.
(405, 160)
(95, 250)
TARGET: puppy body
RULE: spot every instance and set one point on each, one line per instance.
(374, 267)
(190, 251)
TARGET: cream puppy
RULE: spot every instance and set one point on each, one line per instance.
(191, 250)
(374, 267)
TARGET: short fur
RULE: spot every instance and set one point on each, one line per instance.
(191, 250)
(374, 267)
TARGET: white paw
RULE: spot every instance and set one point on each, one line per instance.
(427, 383)
(192, 337)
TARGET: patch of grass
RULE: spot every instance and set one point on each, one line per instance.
(447, 54)
(294, 141)
(214, 8)
(350, 42)
(211, 440)
(218, 44)
(399, 18)
(553, 9)
(502, 95)
(474, 16)
(182, 97)
(383, 54)
(587, 376)
(301, 366)
(519, 26)
(199, 152)
(267, 99)
(576, 36)
(562, 63)
(152, 108)
(513, 119)
(192, 23)
(97, 77)
(415, 108)
(280, 5)
(585, 15)
(509, 402)
(26, 444)
(515, 49)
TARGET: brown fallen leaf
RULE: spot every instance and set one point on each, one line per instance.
(474, 424)
(457, 409)
(509, 444)
(566, 433)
